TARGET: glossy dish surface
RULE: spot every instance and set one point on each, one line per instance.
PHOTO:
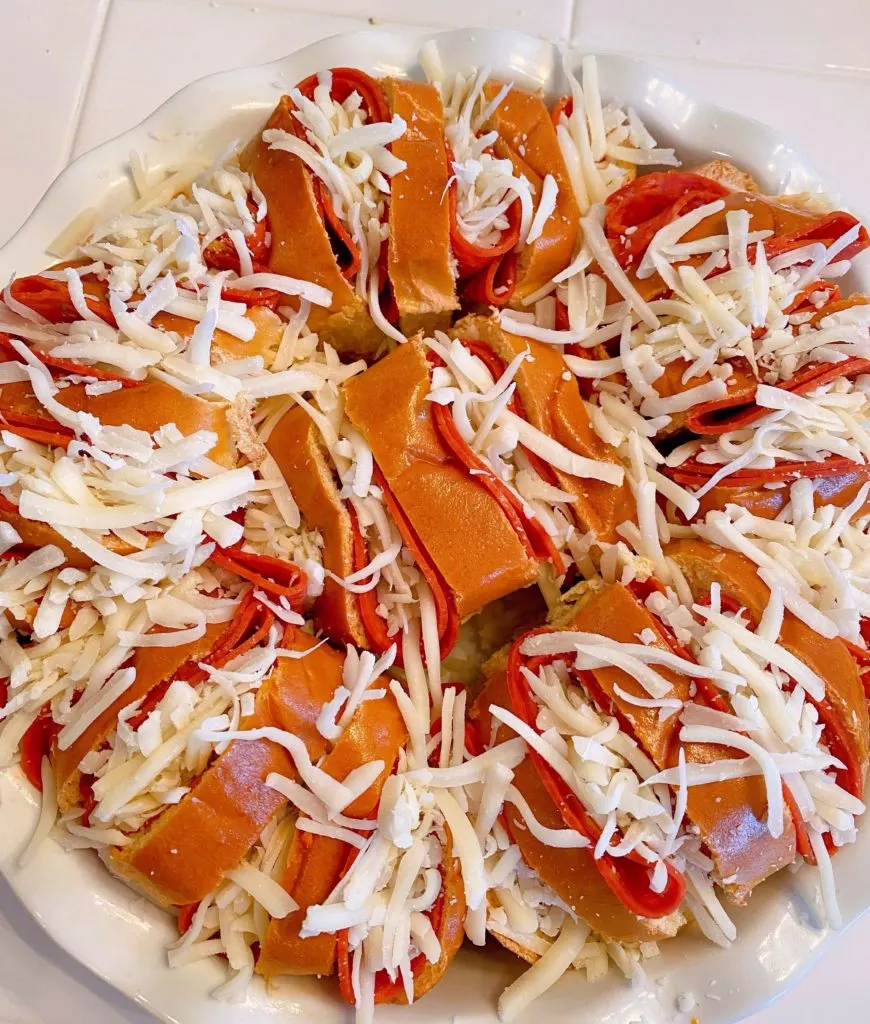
(122, 938)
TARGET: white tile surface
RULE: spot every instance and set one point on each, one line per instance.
(46, 48)
(549, 18)
(66, 86)
(768, 32)
(184, 39)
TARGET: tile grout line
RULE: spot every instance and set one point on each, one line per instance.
(314, 7)
(574, 23)
(825, 71)
(406, 19)
(573, 20)
(90, 63)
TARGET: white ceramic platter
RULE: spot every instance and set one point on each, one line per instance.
(121, 937)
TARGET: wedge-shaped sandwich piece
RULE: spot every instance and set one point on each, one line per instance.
(316, 863)
(421, 274)
(297, 446)
(720, 811)
(624, 685)
(513, 216)
(330, 225)
(139, 429)
(301, 245)
(444, 514)
(249, 324)
(184, 853)
(142, 405)
(369, 584)
(840, 706)
(527, 137)
(570, 872)
(642, 208)
(760, 439)
(375, 855)
(751, 268)
(554, 407)
(148, 676)
(155, 669)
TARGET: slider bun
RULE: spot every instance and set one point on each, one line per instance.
(182, 855)
(301, 246)
(420, 260)
(703, 564)
(461, 526)
(297, 447)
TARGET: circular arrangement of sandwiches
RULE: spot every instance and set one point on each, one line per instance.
(441, 519)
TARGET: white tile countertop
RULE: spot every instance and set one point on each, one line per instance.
(76, 72)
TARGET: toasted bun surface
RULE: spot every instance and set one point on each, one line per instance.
(301, 246)
(153, 666)
(702, 565)
(147, 407)
(839, 490)
(184, 853)
(297, 447)
(555, 406)
(731, 816)
(316, 863)
(528, 139)
(459, 523)
(571, 874)
(420, 262)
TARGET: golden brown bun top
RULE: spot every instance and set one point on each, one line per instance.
(148, 407)
(300, 243)
(420, 263)
(297, 447)
(182, 855)
(571, 874)
(528, 139)
(554, 405)
(458, 522)
(731, 816)
(703, 564)
(153, 665)
(316, 863)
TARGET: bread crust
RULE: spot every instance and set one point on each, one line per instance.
(727, 174)
(570, 873)
(148, 406)
(731, 816)
(297, 447)
(153, 666)
(461, 526)
(702, 565)
(315, 864)
(182, 855)
(301, 246)
(839, 490)
(528, 139)
(555, 406)
(420, 261)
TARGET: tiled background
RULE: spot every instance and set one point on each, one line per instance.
(76, 72)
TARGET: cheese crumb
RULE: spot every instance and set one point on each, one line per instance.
(686, 1002)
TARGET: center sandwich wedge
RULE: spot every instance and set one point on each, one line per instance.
(485, 461)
